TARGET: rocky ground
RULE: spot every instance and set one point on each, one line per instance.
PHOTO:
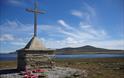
(57, 72)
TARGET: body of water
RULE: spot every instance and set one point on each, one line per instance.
(91, 56)
(7, 57)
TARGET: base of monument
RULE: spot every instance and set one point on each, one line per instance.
(34, 59)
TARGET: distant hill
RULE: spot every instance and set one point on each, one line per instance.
(86, 49)
(9, 53)
(13, 52)
(83, 50)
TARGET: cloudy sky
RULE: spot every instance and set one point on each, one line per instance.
(67, 23)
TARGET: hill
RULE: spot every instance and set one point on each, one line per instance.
(83, 50)
(86, 49)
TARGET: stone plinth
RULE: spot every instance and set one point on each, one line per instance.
(34, 56)
(32, 59)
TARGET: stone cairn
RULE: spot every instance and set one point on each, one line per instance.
(34, 56)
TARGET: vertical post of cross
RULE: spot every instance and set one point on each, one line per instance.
(36, 12)
(35, 18)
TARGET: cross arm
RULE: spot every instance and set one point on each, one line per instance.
(36, 11)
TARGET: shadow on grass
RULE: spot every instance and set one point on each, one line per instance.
(8, 71)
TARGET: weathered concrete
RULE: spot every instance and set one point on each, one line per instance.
(35, 44)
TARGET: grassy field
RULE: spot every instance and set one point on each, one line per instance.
(96, 68)
(8, 64)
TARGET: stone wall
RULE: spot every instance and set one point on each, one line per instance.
(21, 61)
(34, 59)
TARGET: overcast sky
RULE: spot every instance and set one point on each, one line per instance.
(67, 23)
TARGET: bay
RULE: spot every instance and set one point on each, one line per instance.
(10, 57)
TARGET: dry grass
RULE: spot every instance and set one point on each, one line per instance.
(8, 64)
(97, 68)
